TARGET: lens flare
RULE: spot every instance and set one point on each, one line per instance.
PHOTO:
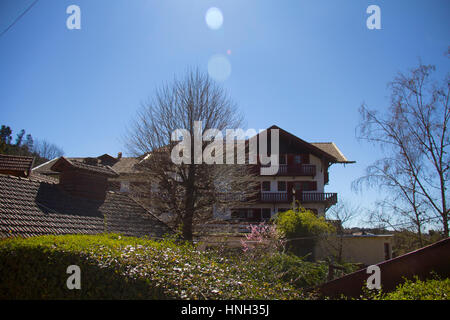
(214, 18)
(219, 68)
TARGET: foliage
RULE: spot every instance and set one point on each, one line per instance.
(116, 267)
(302, 228)
(294, 270)
(431, 289)
(300, 222)
(406, 241)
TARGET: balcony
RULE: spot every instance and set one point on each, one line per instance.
(308, 197)
(295, 170)
(304, 197)
(274, 197)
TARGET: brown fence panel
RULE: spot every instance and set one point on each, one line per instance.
(435, 257)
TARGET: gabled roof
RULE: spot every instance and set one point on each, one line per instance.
(45, 168)
(327, 150)
(331, 148)
(16, 165)
(63, 163)
(30, 208)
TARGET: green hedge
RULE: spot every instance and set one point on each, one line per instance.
(115, 267)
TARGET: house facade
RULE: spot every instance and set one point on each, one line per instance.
(302, 176)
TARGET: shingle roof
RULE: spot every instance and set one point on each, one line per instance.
(29, 208)
(20, 164)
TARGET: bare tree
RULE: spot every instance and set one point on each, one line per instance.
(189, 191)
(343, 212)
(47, 150)
(413, 133)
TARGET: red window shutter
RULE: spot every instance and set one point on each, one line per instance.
(290, 159)
(305, 158)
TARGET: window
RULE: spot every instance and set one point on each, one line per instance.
(265, 186)
(281, 185)
(298, 185)
(297, 159)
(124, 186)
(250, 214)
(282, 159)
(242, 213)
(283, 209)
(266, 213)
(305, 185)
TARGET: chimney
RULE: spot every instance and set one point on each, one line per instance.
(83, 180)
(119, 156)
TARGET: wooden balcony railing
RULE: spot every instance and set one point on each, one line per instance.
(296, 170)
(274, 197)
(304, 197)
(331, 198)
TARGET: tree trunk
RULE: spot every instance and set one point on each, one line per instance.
(189, 205)
(187, 226)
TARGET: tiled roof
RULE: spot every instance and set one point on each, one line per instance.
(16, 163)
(124, 165)
(97, 169)
(45, 168)
(29, 208)
(43, 178)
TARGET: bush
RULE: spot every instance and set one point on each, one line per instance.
(301, 228)
(432, 289)
(115, 267)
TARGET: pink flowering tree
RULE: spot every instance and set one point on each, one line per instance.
(263, 238)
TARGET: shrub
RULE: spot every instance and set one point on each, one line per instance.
(432, 289)
(301, 228)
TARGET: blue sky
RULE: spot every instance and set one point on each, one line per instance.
(305, 66)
